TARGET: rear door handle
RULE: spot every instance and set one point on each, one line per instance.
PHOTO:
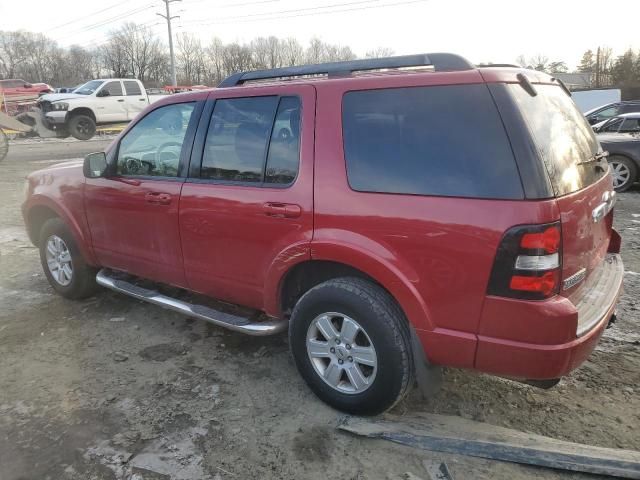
(121, 100)
(282, 210)
(158, 198)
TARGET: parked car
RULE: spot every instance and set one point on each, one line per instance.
(624, 158)
(97, 102)
(605, 112)
(10, 87)
(384, 241)
(624, 123)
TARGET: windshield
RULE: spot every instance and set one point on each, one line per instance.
(564, 139)
(88, 88)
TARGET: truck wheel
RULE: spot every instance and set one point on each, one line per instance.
(62, 262)
(623, 171)
(82, 127)
(351, 344)
(4, 145)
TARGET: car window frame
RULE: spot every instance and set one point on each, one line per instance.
(104, 86)
(135, 82)
(185, 152)
(197, 157)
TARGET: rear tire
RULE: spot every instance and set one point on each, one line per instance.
(366, 372)
(82, 127)
(624, 172)
(62, 262)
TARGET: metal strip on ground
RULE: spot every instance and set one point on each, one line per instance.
(456, 435)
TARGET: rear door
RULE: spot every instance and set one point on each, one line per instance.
(579, 178)
(135, 99)
(249, 198)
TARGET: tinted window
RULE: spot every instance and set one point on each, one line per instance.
(442, 140)
(284, 149)
(114, 89)
(564, 139)
(132, 88)
(237, 139)
(607, 113)
(630, 125)
(612, 125)
(152, 147)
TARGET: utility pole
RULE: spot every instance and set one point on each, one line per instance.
(168, 18)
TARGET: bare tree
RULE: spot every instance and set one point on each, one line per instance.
(190, 59)
(379, 52)
(292, 52)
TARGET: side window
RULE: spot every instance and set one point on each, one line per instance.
(401, 140)
(152, 147)
(284, 148)
(114, 89)
(607, 113)
(132, 87)
(238, 138)
(630, 125)
(612, 126)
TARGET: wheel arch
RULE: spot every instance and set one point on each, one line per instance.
(41, 209)
(81, 111)
(331, 260)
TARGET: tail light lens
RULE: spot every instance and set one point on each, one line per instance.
(528, 262)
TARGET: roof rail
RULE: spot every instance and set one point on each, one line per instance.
(439, 61)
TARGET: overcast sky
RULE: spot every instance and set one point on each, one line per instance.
(487, 30)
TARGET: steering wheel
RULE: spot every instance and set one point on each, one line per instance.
(135, 166)
(171, 163)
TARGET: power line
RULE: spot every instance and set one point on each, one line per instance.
(104, 22)
(84, 17)
(303, 12)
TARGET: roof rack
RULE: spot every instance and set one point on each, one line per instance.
(440, 62)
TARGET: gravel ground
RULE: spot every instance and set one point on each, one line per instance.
(111, 388)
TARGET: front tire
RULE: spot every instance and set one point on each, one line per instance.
(624, 172)
(63, 264)
(350, 342)
(82, 127)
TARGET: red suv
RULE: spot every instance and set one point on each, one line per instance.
(387, 217)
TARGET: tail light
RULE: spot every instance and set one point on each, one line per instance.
(528, 262)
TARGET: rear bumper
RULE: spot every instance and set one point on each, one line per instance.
(544, 361)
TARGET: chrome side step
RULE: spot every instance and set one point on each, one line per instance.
(233, 322)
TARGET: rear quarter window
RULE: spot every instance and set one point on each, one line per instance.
(440, 140)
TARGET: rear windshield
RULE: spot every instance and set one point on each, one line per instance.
(564, 139)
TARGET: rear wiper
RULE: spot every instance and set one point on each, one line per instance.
(595, 158)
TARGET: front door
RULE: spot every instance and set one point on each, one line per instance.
(250, 198)
(112, 106)
(133, 213)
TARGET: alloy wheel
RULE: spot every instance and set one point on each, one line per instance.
(620, 173)
(341, 353)
(59, 260)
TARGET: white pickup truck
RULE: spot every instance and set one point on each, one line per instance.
(97, 102)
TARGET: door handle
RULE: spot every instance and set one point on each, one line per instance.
(158, 198)
(121, 100)
(282, 210)
(141, 99)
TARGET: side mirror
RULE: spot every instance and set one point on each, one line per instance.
(95, 165)
(103, 93)
(28, 85)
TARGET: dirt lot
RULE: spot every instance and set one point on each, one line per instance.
(110, 387)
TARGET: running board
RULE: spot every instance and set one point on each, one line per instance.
(222, 319)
